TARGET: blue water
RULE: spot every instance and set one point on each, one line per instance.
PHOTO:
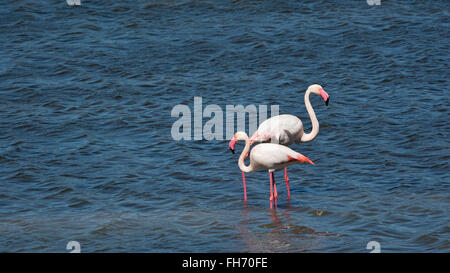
(86, 151)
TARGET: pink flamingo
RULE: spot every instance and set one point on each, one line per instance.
(268, 156)
(287, 129)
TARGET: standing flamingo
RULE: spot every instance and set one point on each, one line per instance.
(287, 129)
(268, 156)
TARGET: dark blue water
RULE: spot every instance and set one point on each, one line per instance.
(86, 151)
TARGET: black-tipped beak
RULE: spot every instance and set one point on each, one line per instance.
(232, 150)
(327, 101)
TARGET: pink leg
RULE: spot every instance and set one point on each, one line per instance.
(287, 182)
(275, 194)
(245, 187)
(271, 192)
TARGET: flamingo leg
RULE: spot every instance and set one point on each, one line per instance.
(245, 187)
(271, 191)
(287, 183)
(275, 193)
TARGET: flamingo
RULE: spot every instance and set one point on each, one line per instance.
(287, 129)
(268, 156)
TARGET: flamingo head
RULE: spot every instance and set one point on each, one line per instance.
(318, 90)
(236, 138)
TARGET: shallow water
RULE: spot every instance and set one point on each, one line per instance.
(86, 150)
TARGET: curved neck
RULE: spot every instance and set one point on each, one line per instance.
(315, 123)
(241, 163)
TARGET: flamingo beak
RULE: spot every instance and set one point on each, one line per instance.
(231, 145)
(325, 96)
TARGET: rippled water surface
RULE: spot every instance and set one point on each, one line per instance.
(86, 151)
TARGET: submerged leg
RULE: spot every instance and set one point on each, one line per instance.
(287, 183)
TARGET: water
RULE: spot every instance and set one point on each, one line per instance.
(86, 151)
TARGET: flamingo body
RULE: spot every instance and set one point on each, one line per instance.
(271, 156)
(282, 129)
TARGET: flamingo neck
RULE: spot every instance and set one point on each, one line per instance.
(241, 163)
(315, 123)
